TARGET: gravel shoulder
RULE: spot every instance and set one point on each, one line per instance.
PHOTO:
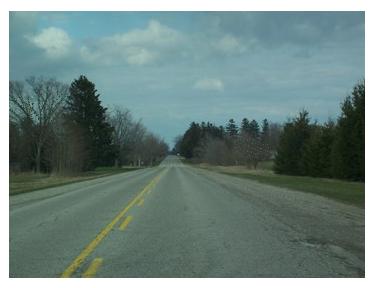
(321, 222)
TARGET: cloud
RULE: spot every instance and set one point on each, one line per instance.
(209, 84)
(136, 47)
(274, 29)
(230, 45)
(54, 41)
(155, 34)
(139, 56)
(292, 60)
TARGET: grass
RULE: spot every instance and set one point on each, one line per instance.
(265, 165)
(29, 181)
(344, 191)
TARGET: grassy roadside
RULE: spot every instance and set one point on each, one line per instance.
(344, 191)
(28, 181)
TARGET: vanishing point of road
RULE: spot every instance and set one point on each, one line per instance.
(175, 220)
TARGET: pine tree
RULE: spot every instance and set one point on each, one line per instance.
(318, 149)
(348, 155)
(310, 153)
(231, 128)
(292, 140)
(245, 126)
(254, 129)
(190, 140)
(265, 131)
(84, 110)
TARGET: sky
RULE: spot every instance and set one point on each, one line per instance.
(172, 68)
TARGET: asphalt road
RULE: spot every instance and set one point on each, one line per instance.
(178, 221)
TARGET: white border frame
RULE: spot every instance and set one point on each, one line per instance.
(179, 5)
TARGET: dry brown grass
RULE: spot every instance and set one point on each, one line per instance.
(29, 181)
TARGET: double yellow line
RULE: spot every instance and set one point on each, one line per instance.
(77, 262)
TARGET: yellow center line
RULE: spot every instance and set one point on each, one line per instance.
(141, 201)
(77, 262)
(93, 268)
(152, 186)
(126, 222)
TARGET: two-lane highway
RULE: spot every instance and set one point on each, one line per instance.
(178, 221)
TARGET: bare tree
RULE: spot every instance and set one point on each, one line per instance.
(136, 145)
(217, 152)
(122, 122)
(40, 103)
(150, 149)
(128, 136)
(252, 150)
(154, 149)
(137, 134)
(69, 151)
(274, 136)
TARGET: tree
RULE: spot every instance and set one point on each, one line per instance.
(154, 149)
(217, 152)
(121, 121)
(265, 134)
(231, 128)
(326, 145)
(177, 144)
(292, 140)
(14, 147)
(274, 135)
(254, 129)
(250, 150)
(70, 148)
(318, 149)
(36, 108)
(83, 109)
(245, 126)
(191, 140)
(348, 155)
(136, 138)
(136, 145)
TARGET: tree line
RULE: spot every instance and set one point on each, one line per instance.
(60, 128)
(230, 145)
(335, 149)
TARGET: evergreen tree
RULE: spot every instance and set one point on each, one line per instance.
(265, 131)
(292, 140)
(84, 110)
(194, 140)
(359, 108)
(190, 140)
(348, 155)
(310, 154)
(245, 126)
(325, 151)
(254, 129)
(231, 128)
(221, 131)
(317, 151)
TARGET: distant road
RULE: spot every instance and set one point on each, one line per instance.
(178, 221)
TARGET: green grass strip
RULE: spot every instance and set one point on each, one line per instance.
(344, 191)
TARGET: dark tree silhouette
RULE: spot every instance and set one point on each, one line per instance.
(83, 109)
